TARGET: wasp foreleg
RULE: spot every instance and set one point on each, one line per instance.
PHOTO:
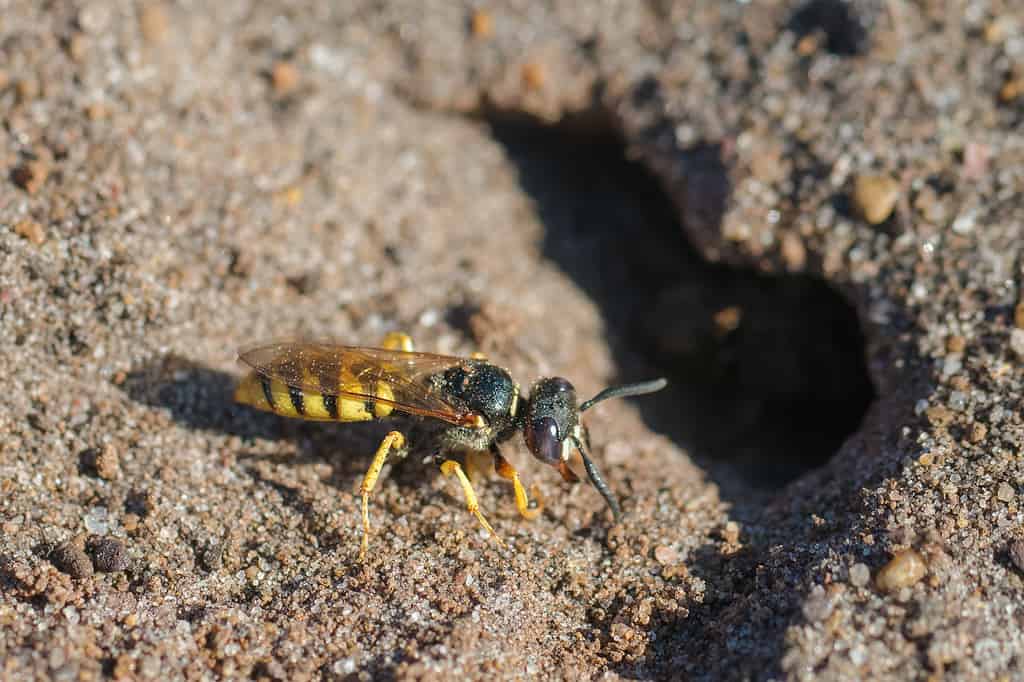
(508, 472)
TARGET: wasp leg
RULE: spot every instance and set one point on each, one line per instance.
(392, 441)
(477, 466)
(508, 472)
(397, 341)
(478, 356)
(452, 467)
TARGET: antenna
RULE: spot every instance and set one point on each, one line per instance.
(642, 388)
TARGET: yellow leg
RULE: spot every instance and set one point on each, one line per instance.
(393, 440)
(508, 472)
(452, 467)
(477, 466)
(397, 341)
(477, 355)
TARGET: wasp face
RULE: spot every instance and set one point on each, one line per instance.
(551, 420)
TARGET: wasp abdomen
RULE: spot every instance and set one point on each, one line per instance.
(273, 395)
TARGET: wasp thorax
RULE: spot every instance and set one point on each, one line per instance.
(551, 418)
(486, 389)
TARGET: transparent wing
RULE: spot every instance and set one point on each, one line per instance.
(359, 372)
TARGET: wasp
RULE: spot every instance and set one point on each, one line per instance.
(451, 404)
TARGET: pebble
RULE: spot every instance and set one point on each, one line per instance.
(1016, 550)
(154, 23)
(665, 555)
(860, 575)
(956, 344)
(211, 558)
(818, 605)
(978, 432)
(481, 24)
(105, 462)
(284, 76)
(905, 569)
(533, 76)
(72, 559)
(78, 47)
(26, 89)
(109, 555)
(875, 197)
(793, 252)
(30, 176)
(1017, 342)
(1005, 492)
(1018, 315)
(30, 230)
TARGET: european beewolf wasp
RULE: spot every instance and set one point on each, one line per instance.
(453, 404)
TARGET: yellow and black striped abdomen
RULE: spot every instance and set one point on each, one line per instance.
(273, 395)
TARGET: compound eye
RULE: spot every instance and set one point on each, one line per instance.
(542, 440)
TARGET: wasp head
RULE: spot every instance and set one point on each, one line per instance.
(551, 427)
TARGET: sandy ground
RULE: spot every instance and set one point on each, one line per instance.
(805, 214)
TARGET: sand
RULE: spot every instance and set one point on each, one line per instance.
(805, 214)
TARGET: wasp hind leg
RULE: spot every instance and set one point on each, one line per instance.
(508, 472)
(393, 441)
(452, 467)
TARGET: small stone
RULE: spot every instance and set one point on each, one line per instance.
(818, 605)
(1016, 550)
(30, 176)
(665, 555)
(905, 569)
(481, 24)
(976, 161)
(72, 559)
(109, 555)
(533, 76)
(78, 47)
(1012, 88)
(96, 111)
(860, 575)
(728, 319)
(998, 30)
(793, 252)
(875, 197)
(766, 163)
(130, 522)
(104, 462)
(26, 89)
(731, 532)
(30, 230)
(284, 77)
(978, 432)
(212, 558)
(956, 344)
(939, 415)
(1018, 315)
(154, 23)
(1017, 342)
(1005, 492)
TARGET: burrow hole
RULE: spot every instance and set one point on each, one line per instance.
(768, 374)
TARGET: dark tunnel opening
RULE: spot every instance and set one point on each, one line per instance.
(767, 373)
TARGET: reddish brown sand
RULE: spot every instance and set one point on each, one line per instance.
(183, 178)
